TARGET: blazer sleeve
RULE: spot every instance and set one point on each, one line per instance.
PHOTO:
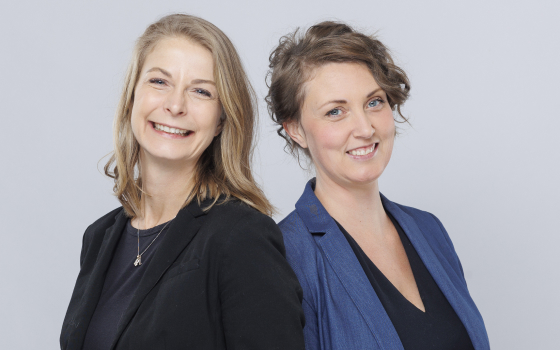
(86, 239)
(259, 292)
(311, 330)
(71, 312)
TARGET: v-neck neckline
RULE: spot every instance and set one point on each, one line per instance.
(385, 281)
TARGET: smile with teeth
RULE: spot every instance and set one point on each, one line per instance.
(170, 130)
(362, 151)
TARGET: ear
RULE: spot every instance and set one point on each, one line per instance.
(294, 129)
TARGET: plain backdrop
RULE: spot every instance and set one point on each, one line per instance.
(481, 154)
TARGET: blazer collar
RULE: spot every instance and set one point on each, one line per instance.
(337, 251)
(180, 233)
(312, 212)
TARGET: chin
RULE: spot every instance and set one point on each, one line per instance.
(364, 181)
(364, 178)
(167, 156)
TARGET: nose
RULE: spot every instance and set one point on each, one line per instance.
(176, 103)
(363, 126)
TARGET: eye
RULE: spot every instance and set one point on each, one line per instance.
(157, 81)
(375, 103)
(334, 112)
(203, 92)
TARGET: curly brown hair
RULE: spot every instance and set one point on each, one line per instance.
(297, 55)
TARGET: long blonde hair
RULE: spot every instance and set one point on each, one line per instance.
(224, 168)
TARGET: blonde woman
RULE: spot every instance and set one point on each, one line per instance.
(191, 260)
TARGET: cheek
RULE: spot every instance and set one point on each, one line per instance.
(208, 118)
(385, 125)
(387, 134)
(388, 149)
(144, 104)
(333, 138)
(323, 141)
(135, 121)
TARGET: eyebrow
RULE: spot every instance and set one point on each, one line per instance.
(202, 81)
(195, 81)
(163, 71)
(344, 101)
(373, 92)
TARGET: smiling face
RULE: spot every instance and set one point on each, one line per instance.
(346, 123)
(176, 111)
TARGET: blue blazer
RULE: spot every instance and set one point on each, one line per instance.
(341, 308)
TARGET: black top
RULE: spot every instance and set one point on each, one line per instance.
(218, 280)
(120, 284)
(437, 328)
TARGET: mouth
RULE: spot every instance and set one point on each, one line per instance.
(171, 130)
(363, 151)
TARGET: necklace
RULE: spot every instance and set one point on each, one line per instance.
(138, 260)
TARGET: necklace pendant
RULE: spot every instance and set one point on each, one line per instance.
(138, 261)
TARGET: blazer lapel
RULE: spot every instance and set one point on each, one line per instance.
(94, 286)
(434, 266)
(345, 264)
(181, 232)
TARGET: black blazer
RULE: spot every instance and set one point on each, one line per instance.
(218, 280)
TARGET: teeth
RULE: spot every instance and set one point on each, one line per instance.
(362, 152)
(169, 130)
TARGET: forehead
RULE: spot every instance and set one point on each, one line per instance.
(339, 81)
(180, 55)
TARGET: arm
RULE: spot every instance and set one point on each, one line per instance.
(86, 239)
(260, 294)
(68, 324)
(311, 330)
(295, 254)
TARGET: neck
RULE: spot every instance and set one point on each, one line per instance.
(165, 187)
(358, 208)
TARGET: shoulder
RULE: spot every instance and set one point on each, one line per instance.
(301, 247)
(96, 231)
(432, 229)
(108, 219)
(424, 219)
(302, 251)
(233, 221)
(234, 214)
(241, 239)
(295, 232)
(102, 223)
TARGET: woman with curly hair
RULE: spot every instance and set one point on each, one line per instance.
(375, 274)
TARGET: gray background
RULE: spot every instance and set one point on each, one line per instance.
(482, 152)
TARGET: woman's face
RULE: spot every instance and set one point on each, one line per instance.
(346, 123)
(176, 111)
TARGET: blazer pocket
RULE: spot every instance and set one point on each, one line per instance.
(182, 268)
